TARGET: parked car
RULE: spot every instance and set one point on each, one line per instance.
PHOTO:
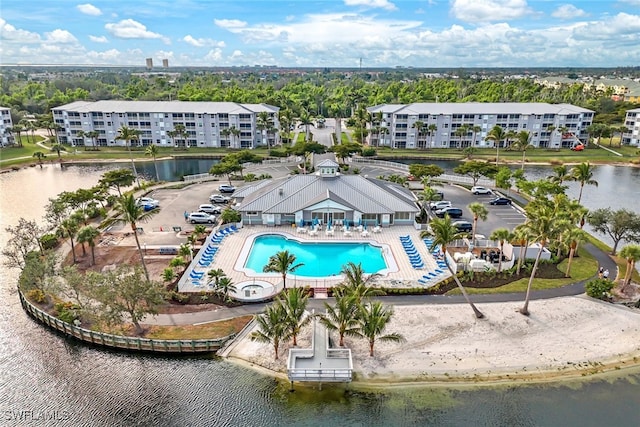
(218, 198)
(480, 190)
(201, 218)
(500, 201)
(463, 226)
(210, 209)
(439, 205)
(226, 188)
(147, 201)
(452, 212)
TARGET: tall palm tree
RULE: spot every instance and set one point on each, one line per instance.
(583, 173)
(153, 150)
(632, 254)
(93, 135)
(180, 131)
(501, 235)
(128, 135)
(295, 302)
(226, 132)
(475, 130)
(127, 211)
(69, 228)
(282, 262)
(497, 135)
(521, 236)
(573, 236)
(264, 122)
(522, 143)
(373, 319)
(431, 131)
(88, 235)
(356, 283)
(306, 120)
(39, 155)
(18, 129)
(58, 148)
(216, 274)
(341, 317)
(224, 287)
(560, 174)
(443, 233)
(460, 132)
(271, 326)
(235, 132)
(479, 211)
(419, 126)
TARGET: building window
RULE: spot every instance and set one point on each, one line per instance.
(402, 215)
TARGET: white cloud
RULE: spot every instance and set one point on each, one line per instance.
(489, 10)
(202, 42)
(96, 39)
(214, 55)
(130, 29)
(230, 24)
(381, 4)
(568, 11)
(60, 36)
(9, 32)
(89, 9)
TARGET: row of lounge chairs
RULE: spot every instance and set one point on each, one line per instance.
(414, 256)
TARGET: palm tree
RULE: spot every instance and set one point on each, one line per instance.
(497, 135)
(561, 174)
(305, 120)
(341, 317)
(226, 132)
(58, 148)
(89, 234)
(128, 135)
(522, 143)
(583, 173)
(419, 126)
(186, 251)
(443, 233)
(501, 235)
(128, 212)
(431, 131)
(216, 274)
(632, 254)
(18, 129)
(475, 129)
(272, 328)
(373, 319)
(69, 228)
(264, 123)
(153, 150)
(295, 302)
(180, 131)
(235, 132)
(282, 262)
(381, 133)
(224, 287)
(39, 155)
(574, 236)
(479, 211)
(93, 135)
(355, 283)
(460, 132)
(521, 236)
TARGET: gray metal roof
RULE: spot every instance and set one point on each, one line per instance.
(112, 106)
(635, 110)
(435, 108)
(291, 194)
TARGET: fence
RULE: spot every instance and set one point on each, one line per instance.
(119, 341)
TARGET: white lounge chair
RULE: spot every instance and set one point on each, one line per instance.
(377, 229)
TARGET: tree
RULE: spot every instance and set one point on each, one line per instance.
(373, 319)
(419, 126)
(475, 130)
(264, 123)
(24, 239)
(522, 143)
(632, 254)
(479, 211)
(443, 233)
(127, 211)
(295, 302)
(224, 287)
(583, 173)
(305, 120)
(128, 135)
(215, 275)
(126, 291)
(153, 150)
(58, 148)
(284, 263)
(271, 326)
(560, 174)
(501, 235)
(355, 283)
(117, 179)
(69, 228)
(497, 135)
(431, 131)
(93, 135)
(476, 169)
(88, 235)
(420, 171)
(573, 235)
(39, 155)
(619, 225)
(224, 168)
(230, 216)
(521, 236)
(341, 317)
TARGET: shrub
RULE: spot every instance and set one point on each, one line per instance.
(49, 241)
(37, 296)
(368, 152)
(66, 311)
(278, 153)
(178, 297)
(599, 288)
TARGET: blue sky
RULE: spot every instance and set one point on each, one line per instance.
(308, 33)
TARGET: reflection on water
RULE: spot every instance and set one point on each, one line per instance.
(44, 375)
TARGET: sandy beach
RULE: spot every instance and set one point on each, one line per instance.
(563, 337)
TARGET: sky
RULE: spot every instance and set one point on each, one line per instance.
(324, 33)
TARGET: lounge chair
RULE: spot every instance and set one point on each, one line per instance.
(424, 282)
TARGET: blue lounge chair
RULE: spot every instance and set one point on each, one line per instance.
(417, 266)
(233, 228)
(424, 282)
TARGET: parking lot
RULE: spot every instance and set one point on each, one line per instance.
(503, 216)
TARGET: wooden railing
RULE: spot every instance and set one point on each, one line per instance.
(120, 341)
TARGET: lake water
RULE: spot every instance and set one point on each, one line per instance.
(50, 381)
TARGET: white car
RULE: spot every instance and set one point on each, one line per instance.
(434, 206)
(218, 198)
(201, 218)
(480, 190)
(147, 201)
(208, 208)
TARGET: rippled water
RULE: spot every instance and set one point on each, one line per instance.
(44, 375)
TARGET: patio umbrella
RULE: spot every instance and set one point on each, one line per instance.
(359, 221)
(329, 225)
(301, 223)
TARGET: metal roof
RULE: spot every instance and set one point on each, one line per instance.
(117, 106)
(435, 108)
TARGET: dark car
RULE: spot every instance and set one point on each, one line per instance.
(452, 212)
(500, 201)
(463, 226)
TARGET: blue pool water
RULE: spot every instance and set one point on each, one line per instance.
(320, 259)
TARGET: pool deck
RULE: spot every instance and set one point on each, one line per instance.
(231, 250)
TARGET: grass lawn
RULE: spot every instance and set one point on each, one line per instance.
(582, 267)
(212, 330)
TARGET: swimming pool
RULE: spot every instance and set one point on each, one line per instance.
(320, 258)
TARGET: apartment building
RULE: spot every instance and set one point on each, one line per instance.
(632, 122)
(460, 125)
(166, 123)
(6, 137)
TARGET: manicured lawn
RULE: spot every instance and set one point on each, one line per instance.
(213, 330)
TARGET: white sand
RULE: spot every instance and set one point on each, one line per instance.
(562, 337)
